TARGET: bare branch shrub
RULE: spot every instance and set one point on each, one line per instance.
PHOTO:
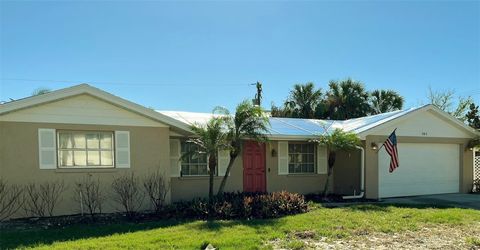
(89, 195)
(11, 199)
(156, 189)
(41, 199)
(128, 193)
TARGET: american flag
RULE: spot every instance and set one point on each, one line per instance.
(391, 146)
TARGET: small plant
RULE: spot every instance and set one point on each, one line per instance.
(128, 193)
(476, 186)
(11, 199)
(41, 199)
(89, 195)
(295, 245)
(474, 241)
(156, 189)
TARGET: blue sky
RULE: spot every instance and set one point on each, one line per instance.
(196, 55)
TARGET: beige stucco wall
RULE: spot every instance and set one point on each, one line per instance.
(149, 150)
(347, 172)
(187, 188)
(371, 161)
(298, 183)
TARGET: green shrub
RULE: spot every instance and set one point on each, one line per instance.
(240, 205)
(476, 186)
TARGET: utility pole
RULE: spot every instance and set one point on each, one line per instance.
(258, 97)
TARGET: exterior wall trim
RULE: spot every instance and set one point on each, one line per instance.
(95, 92)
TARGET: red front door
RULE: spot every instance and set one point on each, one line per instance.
(254, 179)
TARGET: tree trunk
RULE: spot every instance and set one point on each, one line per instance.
(212, 162)
(227, 172)
(331, 161)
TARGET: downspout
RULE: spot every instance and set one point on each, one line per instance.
(362, 177)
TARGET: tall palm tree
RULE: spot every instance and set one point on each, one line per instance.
(209, 138)
(385, 101)
(303, 100)
(347, 99)
(335, 141)
(250, 122)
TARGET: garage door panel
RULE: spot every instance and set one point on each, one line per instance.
(424, 169)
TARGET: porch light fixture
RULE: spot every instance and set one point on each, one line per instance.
(274, 153)
(374, 146)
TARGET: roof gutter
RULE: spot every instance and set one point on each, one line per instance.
(362, 178)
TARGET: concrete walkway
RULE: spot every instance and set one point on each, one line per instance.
(454, 200)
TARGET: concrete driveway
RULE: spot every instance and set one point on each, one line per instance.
(454, 200)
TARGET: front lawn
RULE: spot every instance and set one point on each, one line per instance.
(320, 225)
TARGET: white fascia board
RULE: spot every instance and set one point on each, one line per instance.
(363, 132)
(95, 92)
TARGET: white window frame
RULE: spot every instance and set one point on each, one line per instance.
(314, 171)
(182, 174)
(112, 150)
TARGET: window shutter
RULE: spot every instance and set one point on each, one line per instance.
(223, 160)
(122, 149)
(47, 154)
(283, 157)
(175, 154)
(322, 160)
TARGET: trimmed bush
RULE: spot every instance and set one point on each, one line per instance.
(11, 199)
(128, 193)
(240, 206)
(41, 199)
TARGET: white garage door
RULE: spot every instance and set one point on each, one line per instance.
(424, 169)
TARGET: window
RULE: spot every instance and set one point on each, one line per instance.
(301, 158)
(85, 149)
(193, 165)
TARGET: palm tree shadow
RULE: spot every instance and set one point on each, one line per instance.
(18, 238)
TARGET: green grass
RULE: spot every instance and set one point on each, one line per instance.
(238, 234)
(474, 241)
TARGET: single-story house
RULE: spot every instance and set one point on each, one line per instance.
(71, 132)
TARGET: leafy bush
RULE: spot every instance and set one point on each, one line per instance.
(41, 199)
(128, 193)
(241, 205)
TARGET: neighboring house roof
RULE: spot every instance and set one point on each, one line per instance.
(95, 92)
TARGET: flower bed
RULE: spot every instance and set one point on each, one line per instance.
(241, 206)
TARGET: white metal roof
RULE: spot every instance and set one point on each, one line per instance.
(296, 127)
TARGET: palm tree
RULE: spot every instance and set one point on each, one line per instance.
(385, 101)
(250, 122)
(41, 91)
(335, 141)
(303, 100)
(209, 138)
(347, 99)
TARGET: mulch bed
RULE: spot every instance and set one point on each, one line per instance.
(75, 219)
